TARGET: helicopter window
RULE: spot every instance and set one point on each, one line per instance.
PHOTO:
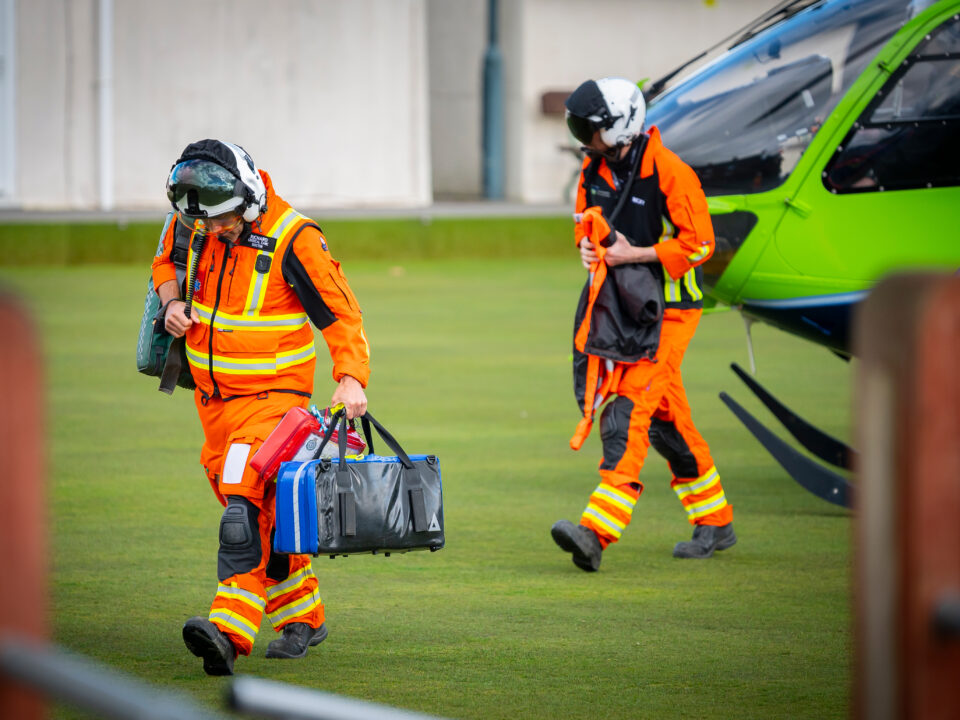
(909, 135)
(744, 121)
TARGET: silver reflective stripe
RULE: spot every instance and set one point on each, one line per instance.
(291, 582)
(705, 509)
(277, 232)
(263, 365)
(296, 507)
(242, 595)
(254, 306)
(295, 356)
(265, 322)
(304, 604)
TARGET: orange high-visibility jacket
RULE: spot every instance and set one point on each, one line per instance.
(666, 209)
(256, 298)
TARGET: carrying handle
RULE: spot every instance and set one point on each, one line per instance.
(389, 439)
(366, 421)
(328, 433)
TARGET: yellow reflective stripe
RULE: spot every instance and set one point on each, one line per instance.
(235, 593)
(699, 254)
(291, 321)
(705, 507)
(690, 280)
(300, 606)
(604, 519)
(290, 358)
(236, 622)
(258, 281)
(252, 365)
(255, 293)
(291, 583)
(710, 478)
(365, 343)
(616, 497)
(671, 287)
(281, 222)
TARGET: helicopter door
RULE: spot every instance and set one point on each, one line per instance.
(887, 195)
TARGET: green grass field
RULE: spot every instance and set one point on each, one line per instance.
(470, 362)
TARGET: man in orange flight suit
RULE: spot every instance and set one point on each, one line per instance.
(663, 223)
(262, 274)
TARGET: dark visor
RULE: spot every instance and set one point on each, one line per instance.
(581, 128)
(199, 187)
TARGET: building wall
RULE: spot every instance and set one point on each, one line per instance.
(568, 41)
(456, 31)
(329, 96)
(347, 103)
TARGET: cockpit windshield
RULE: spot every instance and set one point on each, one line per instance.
(743, 121)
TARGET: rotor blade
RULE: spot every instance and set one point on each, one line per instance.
(826, 447)
(823, 483)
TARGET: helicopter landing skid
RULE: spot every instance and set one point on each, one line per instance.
(819, 480)
(826, 447)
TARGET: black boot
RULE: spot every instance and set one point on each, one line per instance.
(297, 637)
(706, 539)
(579, 540)
(205, 640)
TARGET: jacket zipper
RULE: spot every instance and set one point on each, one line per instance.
(213, 315)
(230, 284)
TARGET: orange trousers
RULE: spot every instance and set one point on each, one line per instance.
(252, 578)
(650, 407)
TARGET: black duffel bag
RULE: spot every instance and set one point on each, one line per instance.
(368, 504)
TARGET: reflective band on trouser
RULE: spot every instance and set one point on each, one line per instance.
(703, 499)
(296, 599)
(263, 365)
(237, 612)
(609, 510)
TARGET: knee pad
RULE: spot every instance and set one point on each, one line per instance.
(614, 429)
(668, 441)
(239, 538)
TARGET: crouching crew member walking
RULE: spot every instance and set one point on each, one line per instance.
(263, 274)
(643, 267)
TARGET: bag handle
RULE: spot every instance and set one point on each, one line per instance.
(389, 439)
(418, 509)
(328, 433)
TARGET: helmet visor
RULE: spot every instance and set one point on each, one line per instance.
(202, 189)
(216, 225)
(581, 128)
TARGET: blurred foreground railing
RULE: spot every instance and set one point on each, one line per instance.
(90, 685)
(289, 702)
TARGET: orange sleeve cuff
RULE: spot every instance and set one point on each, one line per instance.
(359, 372)
(672, 258)
(349, 350)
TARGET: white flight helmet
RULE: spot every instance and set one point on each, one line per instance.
(613, 106)
(212, 178)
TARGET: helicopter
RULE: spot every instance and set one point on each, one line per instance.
(826, 135)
